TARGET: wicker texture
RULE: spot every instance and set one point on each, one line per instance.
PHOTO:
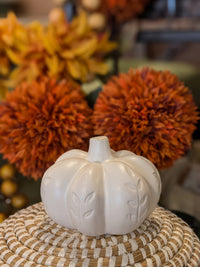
(31, 238)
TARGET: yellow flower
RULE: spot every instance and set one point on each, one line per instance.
(59, 50)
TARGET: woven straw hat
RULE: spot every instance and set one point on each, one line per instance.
(31, 238)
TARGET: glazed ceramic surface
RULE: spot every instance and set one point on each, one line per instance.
(102, 191)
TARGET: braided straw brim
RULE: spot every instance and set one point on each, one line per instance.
(31, 238)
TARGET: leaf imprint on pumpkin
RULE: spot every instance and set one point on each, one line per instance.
(131, 217)
(75, 199)
(130, 186)
(89, 198)
(144, 199)
(155, 174)
(140, 184)
(132, 204)
(88, 214)
(129, 171)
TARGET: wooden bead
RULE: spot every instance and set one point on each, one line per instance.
(7, 171)
(3, 216)
(97, 21)
(9, 188)
(19, 201)
(91, 4)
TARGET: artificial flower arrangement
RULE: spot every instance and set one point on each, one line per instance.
(145, 111)
(148, 112)
(59, 50)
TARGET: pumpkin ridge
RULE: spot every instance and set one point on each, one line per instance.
(90, 205)
(75, 154)
(74, 193)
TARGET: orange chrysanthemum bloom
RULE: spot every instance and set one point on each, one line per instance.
(41, 120)
(124, 10)
(148, 112)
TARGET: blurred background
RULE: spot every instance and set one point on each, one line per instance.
(166, 35)
(26, 9)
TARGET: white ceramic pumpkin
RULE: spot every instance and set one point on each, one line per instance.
(102, 191)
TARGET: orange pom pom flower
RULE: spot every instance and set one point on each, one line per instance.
(148, 112)
(41, 120)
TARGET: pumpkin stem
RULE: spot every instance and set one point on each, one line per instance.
(99, 149)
